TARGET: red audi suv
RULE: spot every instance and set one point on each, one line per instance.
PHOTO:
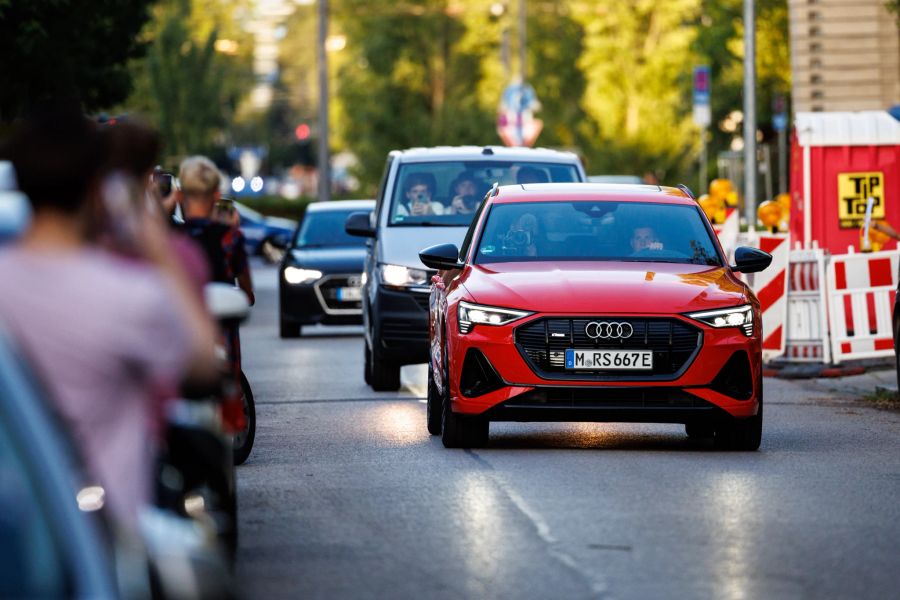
(583, 302)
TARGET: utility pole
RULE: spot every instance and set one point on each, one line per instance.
(523, 30)
(324, 191)
(750, 169)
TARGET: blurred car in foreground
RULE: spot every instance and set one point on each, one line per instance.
(57, 540)
(583, 302)
(262, 233)
(321, 275)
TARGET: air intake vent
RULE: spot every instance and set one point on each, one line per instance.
(478, 375)
(735, 379)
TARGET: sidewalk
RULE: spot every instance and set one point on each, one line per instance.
(854, 386)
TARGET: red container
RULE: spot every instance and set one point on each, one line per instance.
(838, 160)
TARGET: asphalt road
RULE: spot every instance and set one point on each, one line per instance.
(347, 496)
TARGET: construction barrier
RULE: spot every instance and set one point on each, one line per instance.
(807, 322)
(770, 287)
(861, 294)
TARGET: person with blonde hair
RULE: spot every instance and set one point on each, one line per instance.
(223, 245)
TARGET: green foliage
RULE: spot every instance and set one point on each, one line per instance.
(183, 85)
(67, 48)
(408, 81)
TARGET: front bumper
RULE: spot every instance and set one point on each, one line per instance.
(399, 321)
(722, 375)
(317, 302)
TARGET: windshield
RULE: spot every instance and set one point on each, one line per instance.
(448, 193)
(609, 231)
(326, 229)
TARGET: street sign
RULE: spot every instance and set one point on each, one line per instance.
(779, 113)
(516, 123)
(702, 111)
(854, 191)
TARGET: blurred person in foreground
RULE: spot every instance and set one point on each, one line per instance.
(105, 332)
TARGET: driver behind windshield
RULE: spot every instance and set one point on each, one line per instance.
(644, 238)
(418, 192)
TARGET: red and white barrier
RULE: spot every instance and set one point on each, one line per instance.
(807, 321)
(728, 231)
(770, 287)
(861, 293)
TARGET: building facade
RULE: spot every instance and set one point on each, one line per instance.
(845, 55)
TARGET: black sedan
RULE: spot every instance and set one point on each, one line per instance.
(321, 274)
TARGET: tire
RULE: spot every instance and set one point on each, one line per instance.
(243, 441)
(434, 406)
(461, 431)
(744, 435)
(289, 331)
(697, 431)
(367, 365)
(384, 374)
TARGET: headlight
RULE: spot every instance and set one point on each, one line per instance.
(400, 276)
(469, 315)
(736, 316)
(296, 276)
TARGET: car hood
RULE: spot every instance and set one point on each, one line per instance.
(603, 287)
(285, 225)
(401, 245)
(329, 260)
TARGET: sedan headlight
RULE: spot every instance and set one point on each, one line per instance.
(469, 315)
(736, 316)
(297, 276)
(400, 276)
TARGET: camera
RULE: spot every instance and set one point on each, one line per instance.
(421, 197)
(164, 182)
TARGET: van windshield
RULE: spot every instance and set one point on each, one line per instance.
(447, 194)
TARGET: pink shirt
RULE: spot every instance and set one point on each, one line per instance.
(102, 333)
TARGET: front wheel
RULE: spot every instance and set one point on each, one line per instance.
(243, 440)
(384, 375)
(741, 434)
(433, 406)
(288, 330)
(460, 431)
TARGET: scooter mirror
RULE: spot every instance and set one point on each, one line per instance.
(226, 302)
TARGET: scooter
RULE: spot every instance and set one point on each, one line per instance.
(196, 475)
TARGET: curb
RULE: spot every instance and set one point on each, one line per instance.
(821, 370)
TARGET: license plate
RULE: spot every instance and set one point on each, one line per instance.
(619, 360)
(349, 294)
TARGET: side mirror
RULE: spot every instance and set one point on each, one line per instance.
(442, 257)
(360, 224)
(750, 260)
(225, 302)
(281, 241)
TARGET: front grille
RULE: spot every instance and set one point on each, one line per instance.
(613, 398)
(543, 342)
(329, 288)
(422, 300)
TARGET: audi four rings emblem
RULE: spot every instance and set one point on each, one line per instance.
(608, 330)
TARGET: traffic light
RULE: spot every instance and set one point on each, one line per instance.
(302, 132)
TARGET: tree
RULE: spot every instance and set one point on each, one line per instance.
(184, 85)
(637, 60)
(67, 48)
(408, 81)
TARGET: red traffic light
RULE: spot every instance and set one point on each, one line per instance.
(302, 131)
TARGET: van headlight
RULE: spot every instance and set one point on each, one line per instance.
(297, 276)
(400, 276)
(468, 315)
(736, 316)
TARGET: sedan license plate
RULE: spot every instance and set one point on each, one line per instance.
(602, 360)
(349, 294)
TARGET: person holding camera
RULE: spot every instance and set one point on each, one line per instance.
(108, 332)
(465, 194)
(419, 191)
